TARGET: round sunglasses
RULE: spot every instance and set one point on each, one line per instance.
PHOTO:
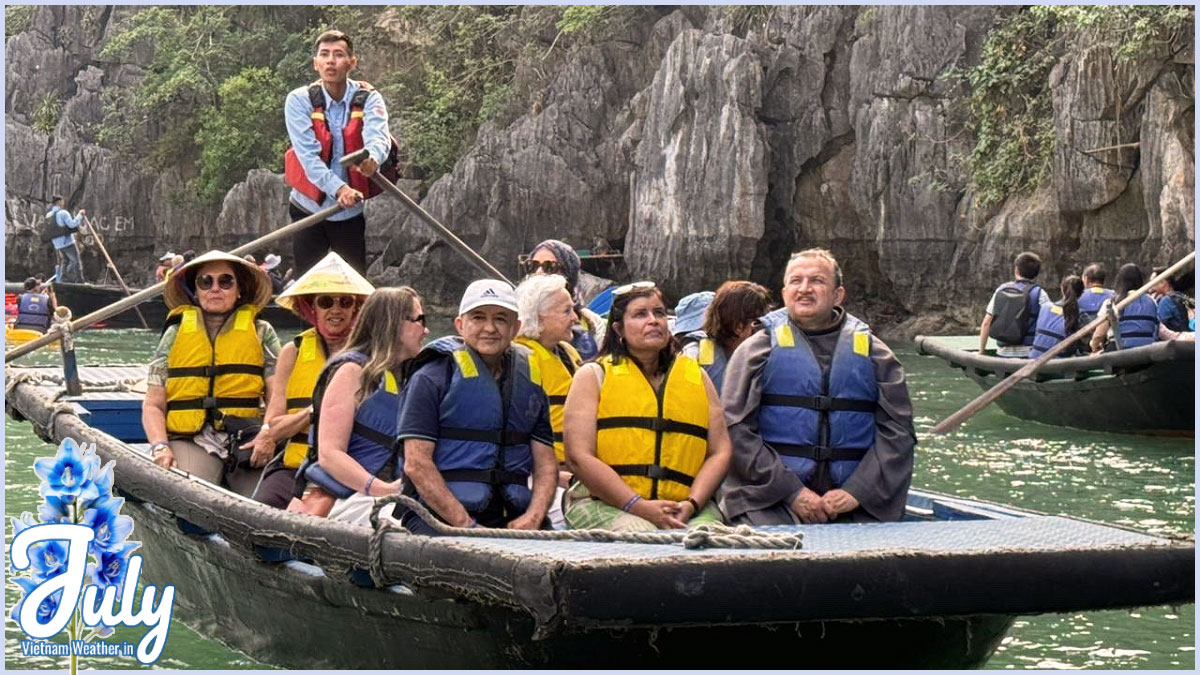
(547, 266)
(205, 281)
(343, 301)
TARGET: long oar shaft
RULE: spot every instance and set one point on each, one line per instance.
(148, 293)
(113, 266)
(983, 400)
(452, 239)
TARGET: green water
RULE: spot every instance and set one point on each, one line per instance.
(1144, 483)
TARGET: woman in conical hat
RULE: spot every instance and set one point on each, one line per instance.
(209, 374)
(328, 297)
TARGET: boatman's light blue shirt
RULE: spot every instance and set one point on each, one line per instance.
(64, 219)
(297, 114)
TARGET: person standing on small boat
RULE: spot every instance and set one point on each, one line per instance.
(1094, 292)
(475, 422)
(64, 244)
(1059, 320)
(555, 257)
(34, 308)
(1003, 308)
(327, 120)
(1137, 324)
(645, 431)
(732, 317)
(209, 374)
(328, 297)
(547, 313)
(818, 410)
(357, 399)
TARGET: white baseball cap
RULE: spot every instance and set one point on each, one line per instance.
(488, 292)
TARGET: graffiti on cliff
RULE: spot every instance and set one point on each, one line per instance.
(23, 215)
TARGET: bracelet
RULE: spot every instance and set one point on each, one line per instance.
(695, 505)
(367, 489)
(629, 504)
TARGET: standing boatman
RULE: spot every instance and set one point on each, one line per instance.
(327, 120)
(64, 244)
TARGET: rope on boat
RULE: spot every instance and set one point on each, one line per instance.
(15, 376)
(709, 535)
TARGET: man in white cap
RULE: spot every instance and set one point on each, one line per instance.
(475, 422)
(271, 267)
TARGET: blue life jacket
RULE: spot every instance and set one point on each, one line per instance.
(1051, 330)
(808, 419)
(709, 354)
(483, 440)
(584, 342)
(33, 312)
(1090, 301)
(1138, 323)
(1035, 292)
(372, 438)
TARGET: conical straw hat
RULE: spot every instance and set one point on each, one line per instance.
(176, 294)
(332, 275)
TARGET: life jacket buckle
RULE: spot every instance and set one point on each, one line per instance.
(208, 402)
(655, 471)
(822, 453)
(822, 402)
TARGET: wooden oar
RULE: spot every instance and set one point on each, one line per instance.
(450, 238)
(113, 267)
(952, 422)
(153, 291)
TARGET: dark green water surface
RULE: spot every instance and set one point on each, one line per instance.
(1145, 483)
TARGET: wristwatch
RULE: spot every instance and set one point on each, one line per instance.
(161, 445)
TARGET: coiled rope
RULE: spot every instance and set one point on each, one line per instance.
(711, 535)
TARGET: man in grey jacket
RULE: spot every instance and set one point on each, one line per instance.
(818, 411)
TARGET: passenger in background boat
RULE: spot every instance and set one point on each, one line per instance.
(328, 297)
(164, 266)
(34, 308)
(1137, 324)
(689, 316)
(731, 318)
(645, 431)
(64, 244)
(1012, 312)
(1059, 320)
(818, 410)
(327, 120)
(1094, 293)
(1174, 308)
(188, 256)
(555, 257)
(271, 267)
(475, 422)
(357, 398)
(209, 375)
(547, 314)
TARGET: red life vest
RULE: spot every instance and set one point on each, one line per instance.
(352, 141)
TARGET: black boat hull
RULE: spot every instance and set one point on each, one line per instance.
(86, 298)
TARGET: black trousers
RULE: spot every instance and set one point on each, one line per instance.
(347, 237)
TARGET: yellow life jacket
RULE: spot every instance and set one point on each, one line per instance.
(310, 359)
(202, 381)
(656, 444)
(556, 380)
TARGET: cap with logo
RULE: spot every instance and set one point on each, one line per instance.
(485, 292)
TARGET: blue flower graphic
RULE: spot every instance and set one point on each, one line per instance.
(111, 528)
(53, 509)
(65, 474)
(48, 559)
(112, 566)
(45, 610)
(99, 487)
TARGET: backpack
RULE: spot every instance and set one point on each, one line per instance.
(1011, 320)
(50, 229)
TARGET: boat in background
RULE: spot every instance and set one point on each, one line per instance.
(1142, 390)
(937, 590)
(84, 299)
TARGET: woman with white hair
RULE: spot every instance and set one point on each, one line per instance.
(547, 313)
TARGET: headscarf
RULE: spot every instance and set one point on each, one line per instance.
(567, 258)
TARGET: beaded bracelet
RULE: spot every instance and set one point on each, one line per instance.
(629, 504)
(367, 489)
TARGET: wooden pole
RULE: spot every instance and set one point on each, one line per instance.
(113, 267)
(153, 291)
(982, 401)
(450, 238)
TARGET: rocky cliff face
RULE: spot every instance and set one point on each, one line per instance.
(709, 146)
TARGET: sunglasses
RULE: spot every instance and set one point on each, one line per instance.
(343, 301)
(205, 281)
(637, 285)
(547, 266)
(420, 318)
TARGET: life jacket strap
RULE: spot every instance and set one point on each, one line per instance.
(1138, 317)
(654, 472)
(818, 402)
(299, 402)
(210, 402)
(653, 424)
(557, 400)
(559, 437)
(374, 435)
(489, 476)
(820, 453)
(506, 437)
(215, 370)
(1050, 334)
(299, 438)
